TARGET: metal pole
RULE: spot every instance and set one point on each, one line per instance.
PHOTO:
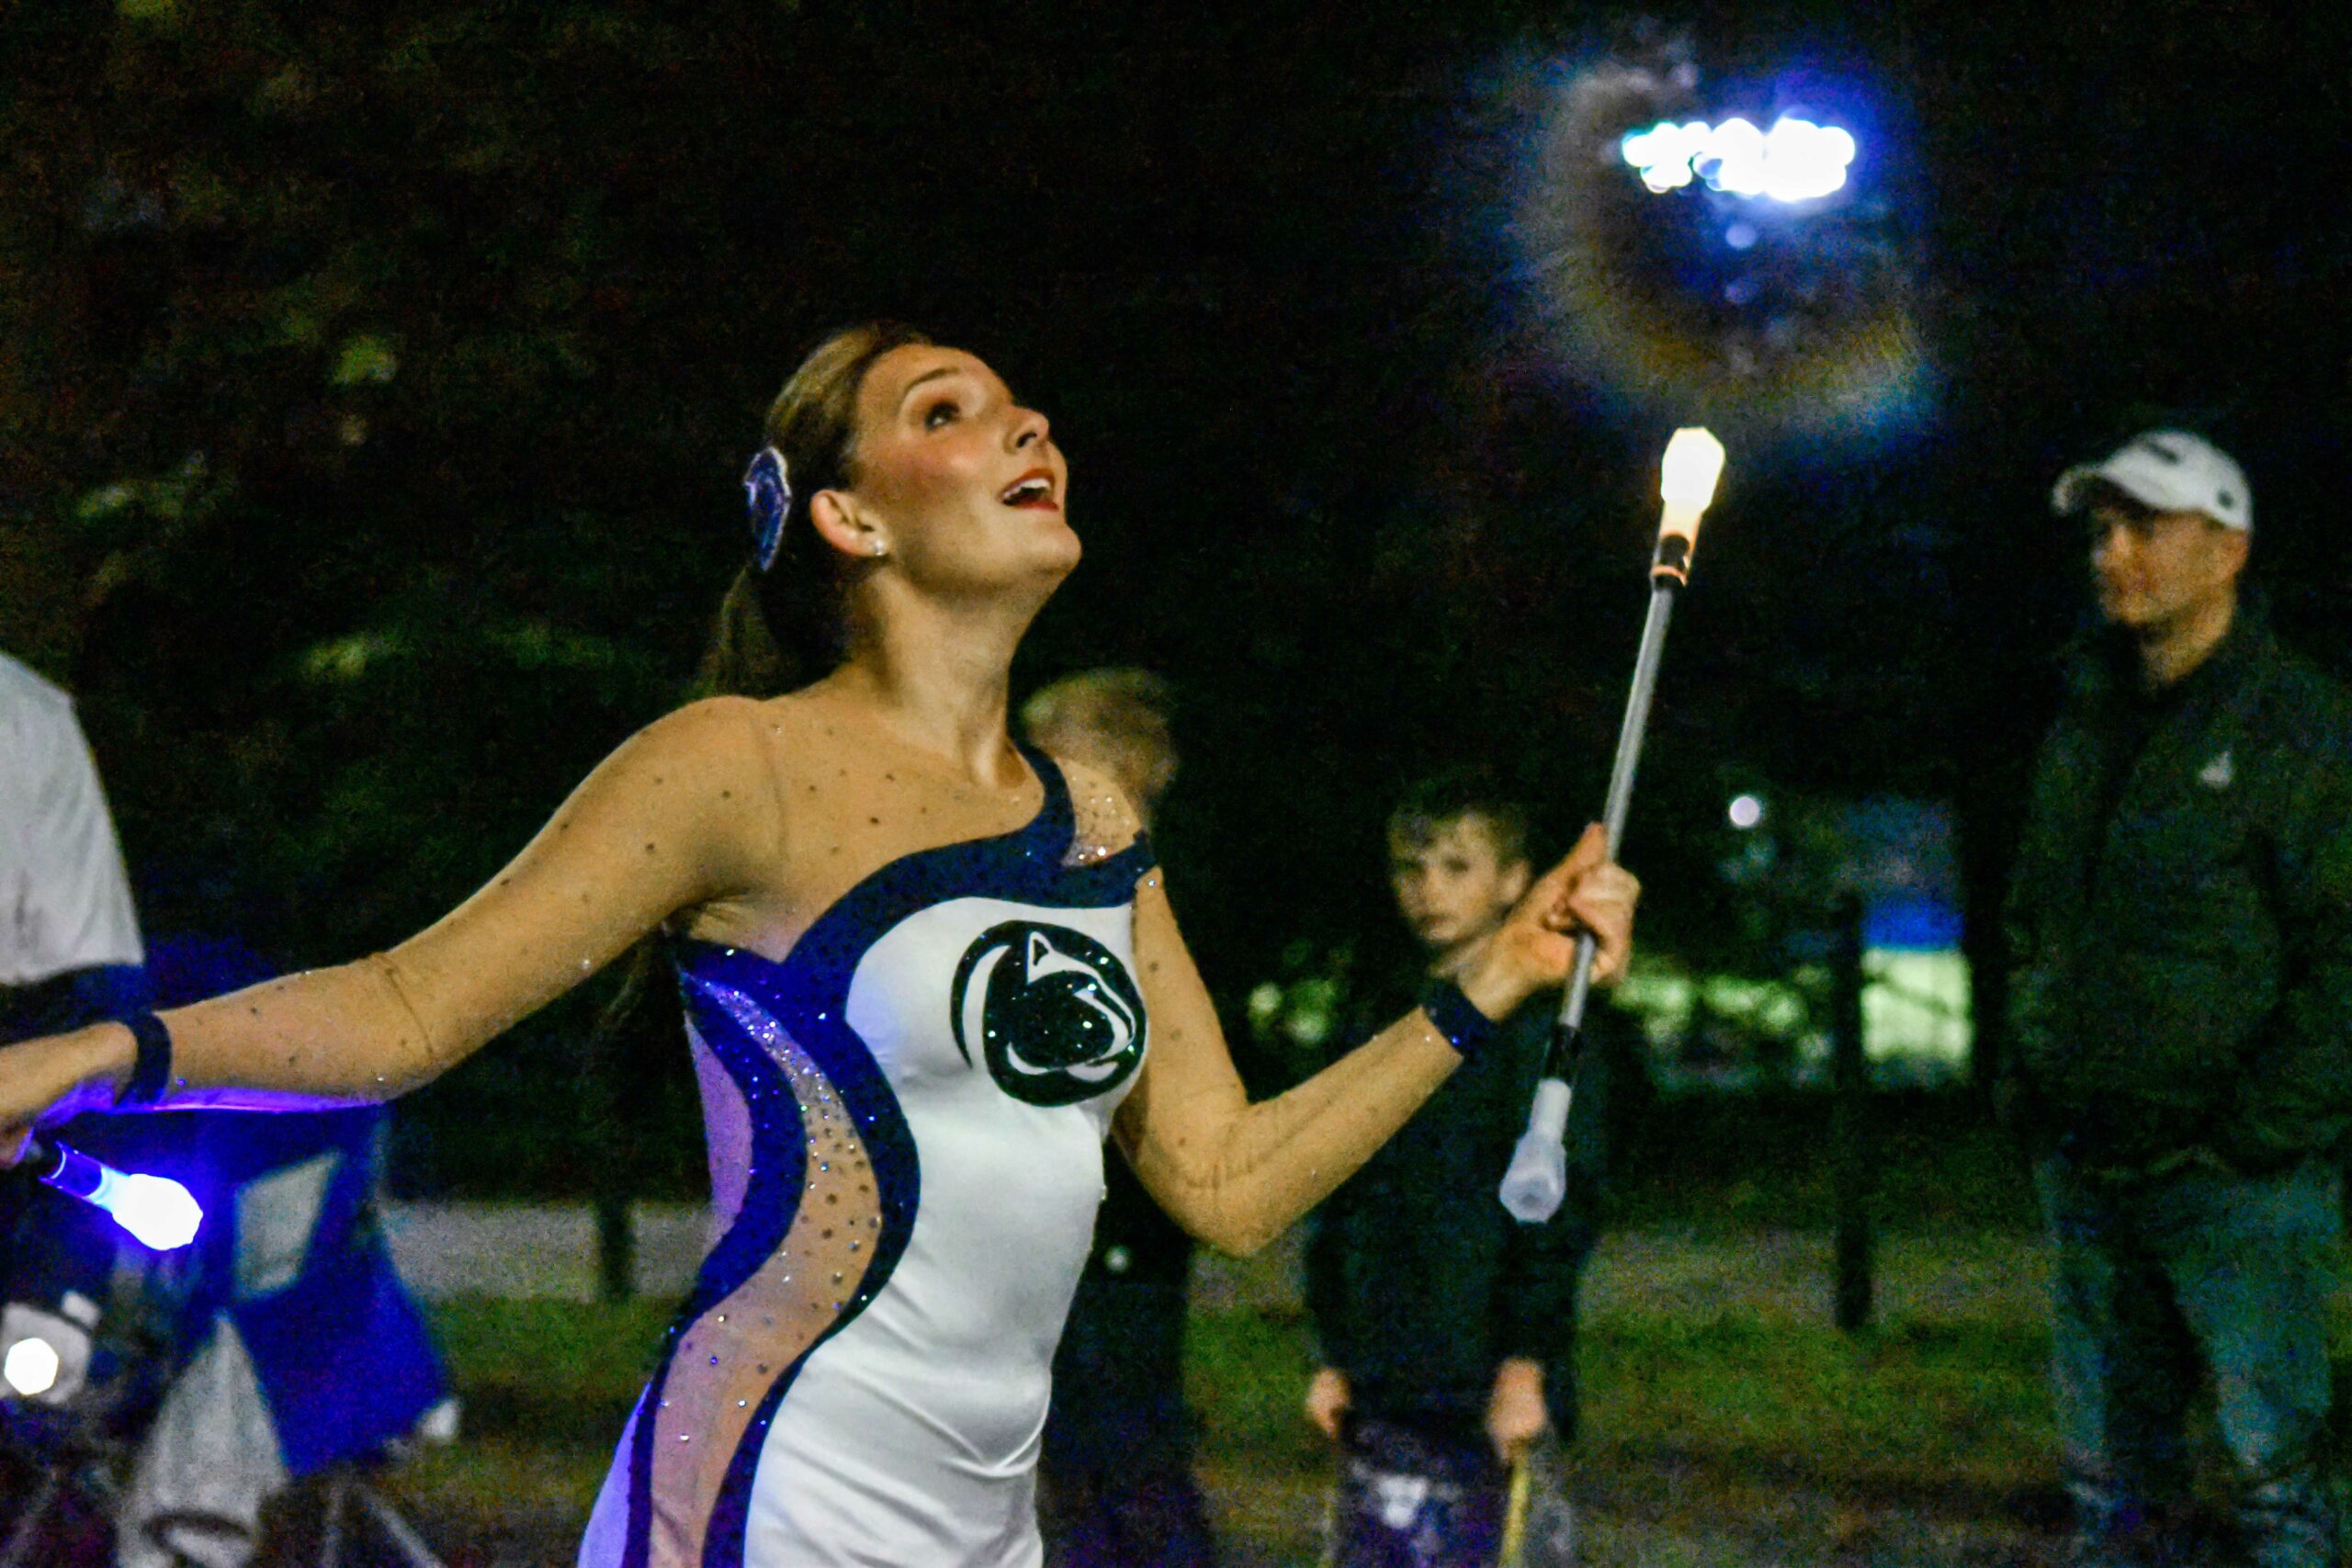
(1537, 1182)
(330, 1541)
(413, 1546)
(1849, 1125)
(1514, 1550)
(1567, 1033)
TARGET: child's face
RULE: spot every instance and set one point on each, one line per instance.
(1454, 885)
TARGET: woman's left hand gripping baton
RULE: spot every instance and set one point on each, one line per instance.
(1586, 896)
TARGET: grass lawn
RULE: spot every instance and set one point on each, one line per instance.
(1726, 1424)
(546, 1387)
(1794, 1437)
(1794, 1442)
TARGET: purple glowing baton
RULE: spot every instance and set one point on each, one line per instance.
(1538, 1178)
(155, 1209)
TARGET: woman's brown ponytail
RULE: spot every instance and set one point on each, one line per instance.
(777, 629)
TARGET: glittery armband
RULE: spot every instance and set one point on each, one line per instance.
(150, 1071)
(1457, 1017)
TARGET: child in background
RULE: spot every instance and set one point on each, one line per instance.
(1447, 1329)
(1117, 1457)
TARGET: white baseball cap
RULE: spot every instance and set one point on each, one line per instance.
(2170, 470)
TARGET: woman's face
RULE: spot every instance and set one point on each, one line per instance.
(965, 485)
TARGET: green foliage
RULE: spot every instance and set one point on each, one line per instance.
(506, 1355)
(544, 1389)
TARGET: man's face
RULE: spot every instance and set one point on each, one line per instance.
(1452, 884)
(2154, 569)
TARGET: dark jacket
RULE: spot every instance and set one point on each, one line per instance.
(1419, 1282)
(2180, 922)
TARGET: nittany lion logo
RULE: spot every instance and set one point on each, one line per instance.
(1055, 1012)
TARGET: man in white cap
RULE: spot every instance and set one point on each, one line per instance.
(2180, 933)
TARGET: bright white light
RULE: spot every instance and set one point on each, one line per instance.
(155, 1209)
(1694, 461)
(1745, 812)
(30, 1367)
(1795, 160)
(1733, 158)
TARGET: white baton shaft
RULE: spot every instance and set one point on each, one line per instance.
(1535, 1186)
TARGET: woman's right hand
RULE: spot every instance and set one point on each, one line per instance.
(1587, 895)
(58, 1078)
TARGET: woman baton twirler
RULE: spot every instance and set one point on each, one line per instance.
(926, 971)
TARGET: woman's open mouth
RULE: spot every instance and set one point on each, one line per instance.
(1034, 490)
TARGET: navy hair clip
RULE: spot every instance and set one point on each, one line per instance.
(770, 494)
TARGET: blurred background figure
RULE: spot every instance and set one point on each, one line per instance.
(1447, 1329)
(1118, 1446)
(2180, 928)
(299, 1353)
(179, 1392)
(279, 1348)
(70, 953)
(69, 936)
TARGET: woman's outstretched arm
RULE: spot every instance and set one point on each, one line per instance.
(684, 813)
(1237, 1174)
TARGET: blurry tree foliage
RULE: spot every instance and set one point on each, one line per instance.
(345, 470)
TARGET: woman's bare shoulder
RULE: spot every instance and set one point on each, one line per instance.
(705, 737)
(714, 760)
(786, 749)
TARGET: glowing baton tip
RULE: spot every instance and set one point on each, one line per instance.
(30, 1367)
(157, 1210)
(1537, 1180)
(1694, 461)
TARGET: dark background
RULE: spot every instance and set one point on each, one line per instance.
(377, 379)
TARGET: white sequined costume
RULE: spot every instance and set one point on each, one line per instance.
(921, 1090)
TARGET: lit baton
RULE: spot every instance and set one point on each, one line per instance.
(155, 1209)
(1538, 1178)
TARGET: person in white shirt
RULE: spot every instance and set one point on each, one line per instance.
(67, 928)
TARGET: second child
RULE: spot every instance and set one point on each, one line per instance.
(1447, 1329)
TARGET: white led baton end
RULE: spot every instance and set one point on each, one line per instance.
(1537, 1180)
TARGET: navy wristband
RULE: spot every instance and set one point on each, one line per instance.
(150, 1071)
(1457, 1017)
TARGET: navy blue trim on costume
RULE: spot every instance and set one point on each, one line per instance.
(806, 993)
(762, 1221)
(865, 1094)
(1112, 879)
(1024, 867)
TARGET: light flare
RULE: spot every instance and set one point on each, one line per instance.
(1795, 160)
(30, 1367)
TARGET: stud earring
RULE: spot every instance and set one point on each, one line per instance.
(880, 548)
